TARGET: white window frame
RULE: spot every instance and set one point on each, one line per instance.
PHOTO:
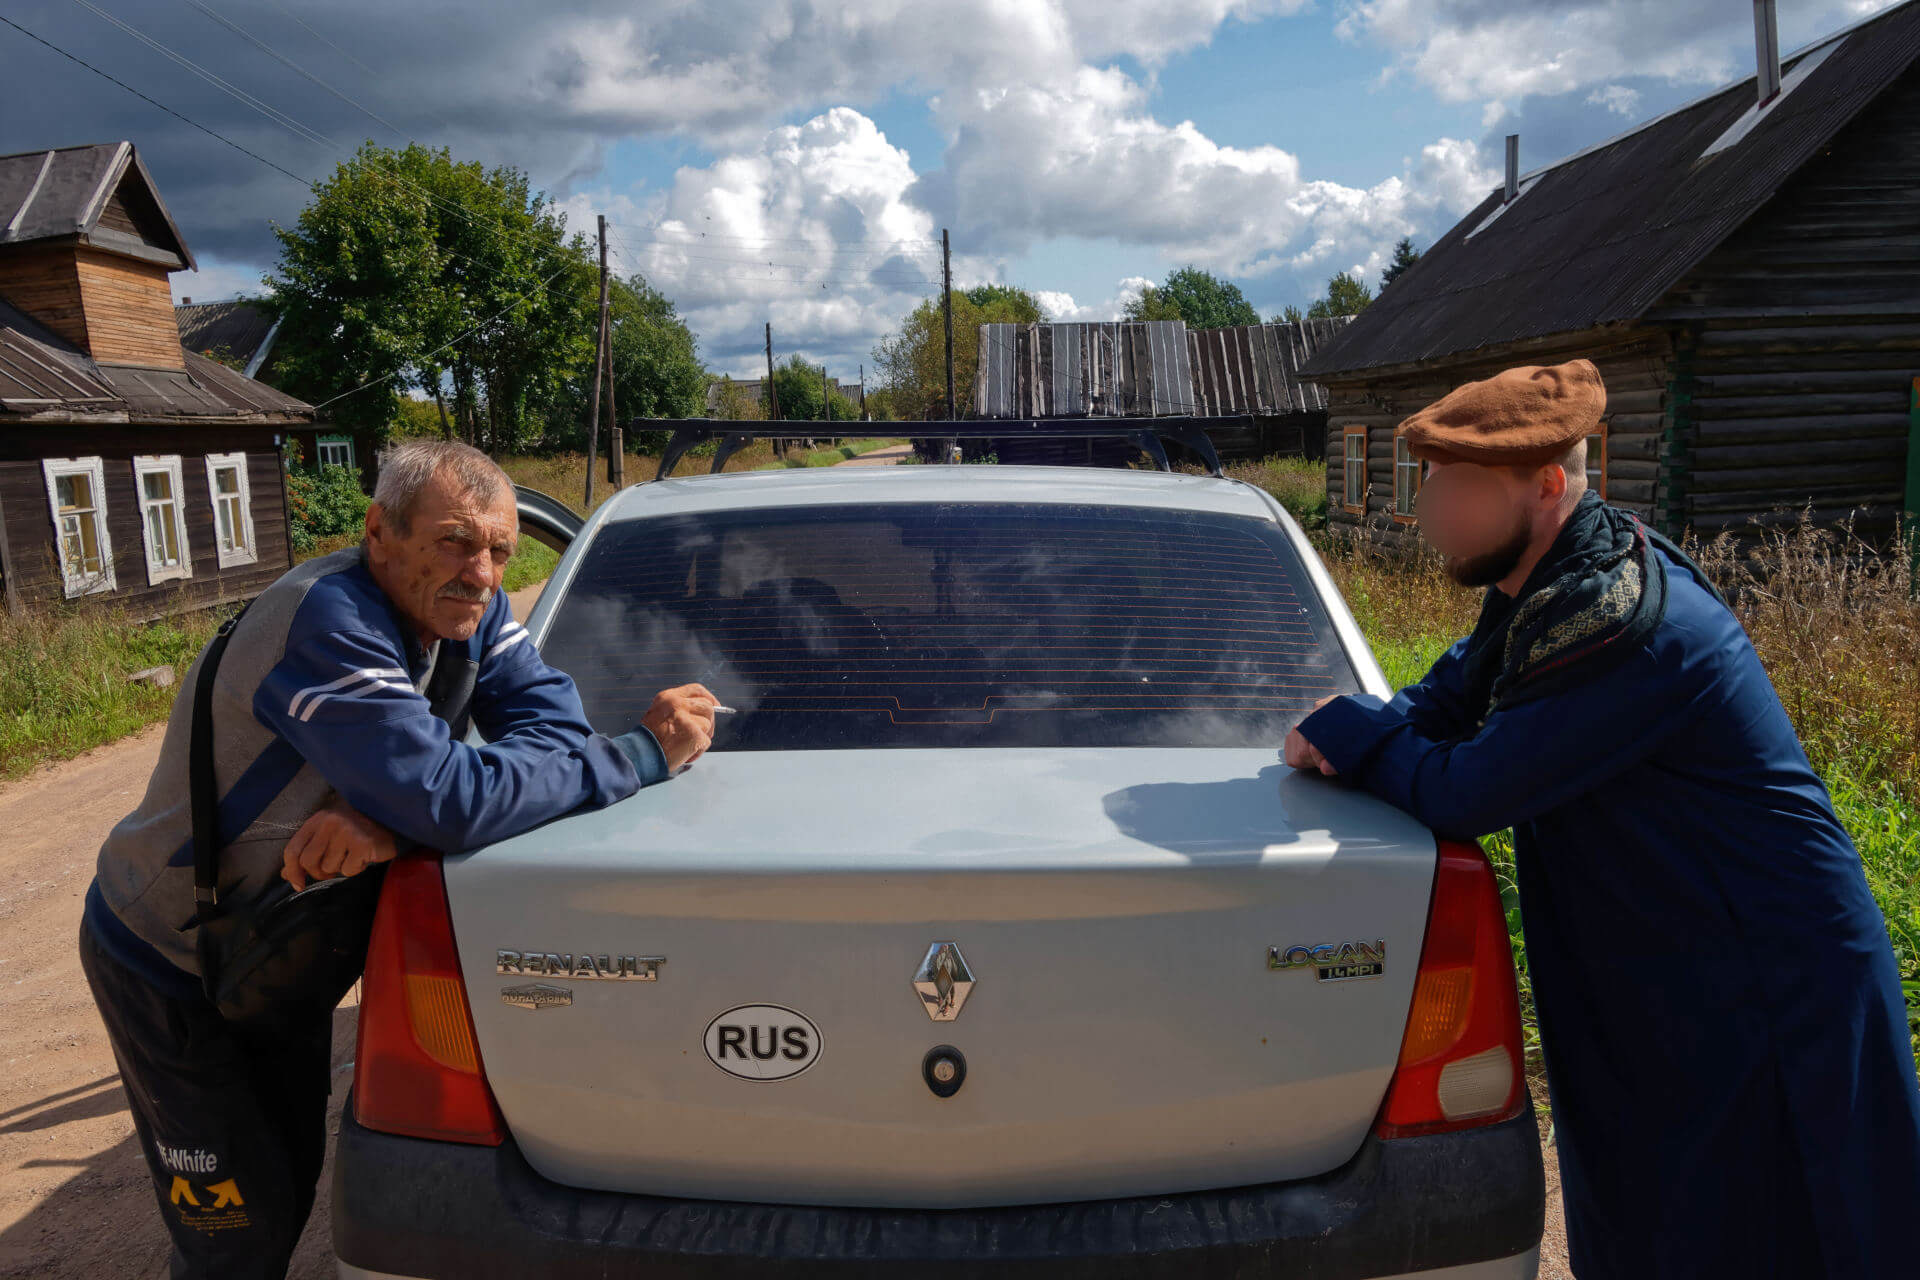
(1409, 473)
(167, 465)
(322, 443)
(1347, 460)
(81, 583)
(1597, 462)
(250, 553)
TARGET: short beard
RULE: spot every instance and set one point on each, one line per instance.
(1490, 567)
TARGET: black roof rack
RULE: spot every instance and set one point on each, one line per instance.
(1144, 432)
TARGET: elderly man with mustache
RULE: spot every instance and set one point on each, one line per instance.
(338, 714)
(1725, 1036)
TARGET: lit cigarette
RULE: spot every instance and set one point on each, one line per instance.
(724, 711)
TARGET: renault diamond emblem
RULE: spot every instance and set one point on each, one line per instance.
(943, 982)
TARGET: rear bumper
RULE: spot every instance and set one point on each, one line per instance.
(1472, 1200)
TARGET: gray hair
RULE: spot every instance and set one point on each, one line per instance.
(409, 467)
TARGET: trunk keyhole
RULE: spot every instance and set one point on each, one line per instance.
(945, 1070)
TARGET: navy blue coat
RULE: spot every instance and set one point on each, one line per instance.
(1725, 1037)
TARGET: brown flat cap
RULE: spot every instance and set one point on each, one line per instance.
(1518, 417)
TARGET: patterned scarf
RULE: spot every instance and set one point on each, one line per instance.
(1595, 597)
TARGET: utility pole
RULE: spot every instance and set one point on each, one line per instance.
(599, 368)
(946, 307)
(773, 395)
(863, 393)
(616, 438)
(826, 401)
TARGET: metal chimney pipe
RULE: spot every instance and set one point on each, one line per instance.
(1513, 167)
(1766, 50)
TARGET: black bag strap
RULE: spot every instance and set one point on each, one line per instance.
(203, 793)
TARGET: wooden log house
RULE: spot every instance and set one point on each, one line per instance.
(1744, 270)
(131, 469)
(243, 333)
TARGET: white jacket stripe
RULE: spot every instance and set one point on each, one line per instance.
(353, 677)
(510, 635)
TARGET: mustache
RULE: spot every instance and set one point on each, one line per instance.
(458, 590)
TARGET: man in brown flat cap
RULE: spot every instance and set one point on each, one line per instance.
(1726, 1041)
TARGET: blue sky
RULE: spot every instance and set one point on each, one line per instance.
(793, 162)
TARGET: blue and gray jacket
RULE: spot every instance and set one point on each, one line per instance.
(323, 690)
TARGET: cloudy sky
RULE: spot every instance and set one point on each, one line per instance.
(795, 162)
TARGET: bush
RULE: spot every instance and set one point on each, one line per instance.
(325, 504)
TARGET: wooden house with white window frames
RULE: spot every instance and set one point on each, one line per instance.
(1744, 271)
(243, 334)
(131, 469)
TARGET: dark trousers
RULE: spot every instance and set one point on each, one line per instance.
(233, 1126)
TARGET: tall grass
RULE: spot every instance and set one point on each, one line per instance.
(63, 678)
(1299, 484)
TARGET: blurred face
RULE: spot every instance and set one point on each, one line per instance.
(1482, 519)
(442, 570)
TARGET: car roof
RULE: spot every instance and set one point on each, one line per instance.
(987, 483)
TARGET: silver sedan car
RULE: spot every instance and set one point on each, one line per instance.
(992, 937)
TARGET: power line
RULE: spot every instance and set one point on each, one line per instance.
(443, 346)
(289, 63)
(305, 182)
(304, 26)
(301, 130)
(518, 299)
(714, 235)
(697, 273)
(272, 113)
(875, 280)
(679, 271)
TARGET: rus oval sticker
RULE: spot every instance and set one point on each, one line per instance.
(763, 1042)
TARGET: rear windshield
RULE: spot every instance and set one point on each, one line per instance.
(952, 625)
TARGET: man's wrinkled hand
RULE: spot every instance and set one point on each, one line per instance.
(681, 721)
(1301, 754)
(338, 840)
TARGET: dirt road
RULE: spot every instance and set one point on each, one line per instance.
(887, 457)
(75, 1201)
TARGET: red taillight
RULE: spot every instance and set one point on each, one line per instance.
(1460, 1060)
(417, 1067)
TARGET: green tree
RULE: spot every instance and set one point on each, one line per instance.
(414, 270)
(1153, 303)
(739, 403)
(910, 364)
(1202, 299)
(1404, 256)
(656, 367)
(1346, 296)
(1012, 301)
(798, 385)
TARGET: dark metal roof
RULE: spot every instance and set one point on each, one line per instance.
(61, 195)
(239, 329)
(1138, 369)
(1598, 238)
(45, 378)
